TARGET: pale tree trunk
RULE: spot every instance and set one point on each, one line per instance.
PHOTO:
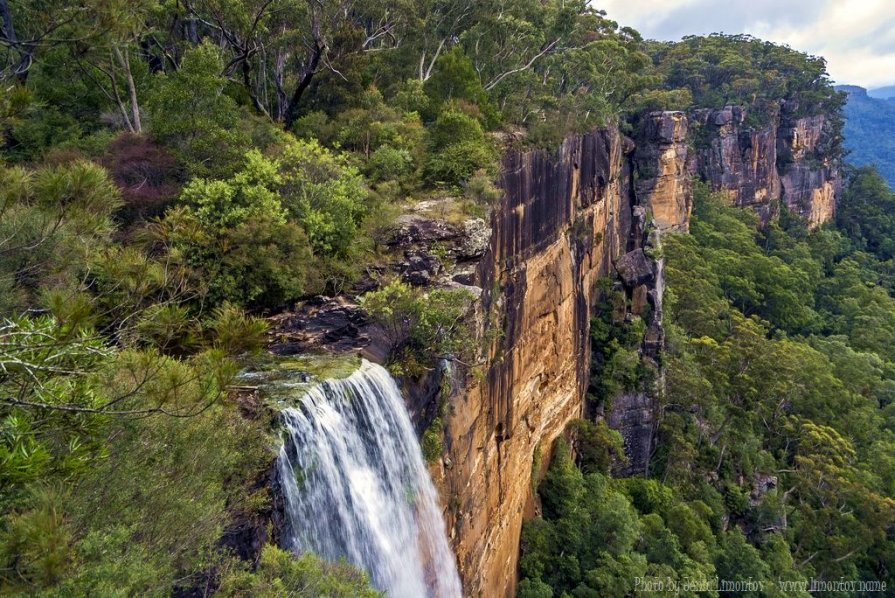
(114, 91)
(124, 60)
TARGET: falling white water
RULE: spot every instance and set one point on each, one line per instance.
(356, 486)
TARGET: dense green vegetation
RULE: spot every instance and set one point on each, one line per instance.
(870, 131)
(775, 428)
(170, 172)
(722, 70)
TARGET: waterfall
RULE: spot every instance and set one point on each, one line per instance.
(355, 486)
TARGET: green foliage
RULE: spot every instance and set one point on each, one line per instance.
(455, 79)
(234, 239)
(323, 193)
(388, 163)
(596, 446)
(870, 131)
(866, 213)
(592, 540)
(427, 324)
(51, 219)
(775, 415)
(143, 487)
(120, 460)
(616, 365)
(721, 70)
(432, 442)
(234, 332)
(770, 350)
(458, 148)
(481, 189)
(279, 573)
(190, 112)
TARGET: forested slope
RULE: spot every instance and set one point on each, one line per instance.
(869, 131)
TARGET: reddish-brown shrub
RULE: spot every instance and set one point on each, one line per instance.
(147, 174)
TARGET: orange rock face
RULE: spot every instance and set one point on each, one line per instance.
(665, 168)
(810, 180)
(783, 159)
(563, 218)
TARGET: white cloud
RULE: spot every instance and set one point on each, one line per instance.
(857, 37)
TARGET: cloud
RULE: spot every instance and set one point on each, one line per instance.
(857, 37)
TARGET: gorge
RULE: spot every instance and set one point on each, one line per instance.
(565, 220)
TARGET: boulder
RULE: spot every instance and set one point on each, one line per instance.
(635, 268)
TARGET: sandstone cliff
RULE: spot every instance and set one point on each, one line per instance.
(756, 160)
(664, 167)
(563, 219)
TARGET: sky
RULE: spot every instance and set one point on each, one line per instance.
(857, 37)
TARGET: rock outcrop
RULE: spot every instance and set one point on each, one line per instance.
(665, 167)
(755, 159)
(736, 159)
(810, 178)
(633, 415)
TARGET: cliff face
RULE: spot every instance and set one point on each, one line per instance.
(566, 219)
(665, 166)
(810, 180)
(782, 158)
(563, 219)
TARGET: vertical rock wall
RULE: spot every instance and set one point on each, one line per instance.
(664, 166)
(754, 162)
(809, 177)
(563, 219)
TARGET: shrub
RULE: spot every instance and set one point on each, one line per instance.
(280, 573)
(234, 332)
(481, 189)
(314, 125)
(432, 442)
(324, 194)
(457, 163)
(145, 173)
(51, 219)
(429, 324)
(596, 445)
(388, 163)
(458, 148)
(234, 238)
(188, 110)
(454, 126)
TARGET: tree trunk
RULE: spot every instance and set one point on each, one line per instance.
(250, 88)
(124, 60)
(19, 70)
(303, 83)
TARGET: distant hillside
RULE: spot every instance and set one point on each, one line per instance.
(882, 92)
(870, 130)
